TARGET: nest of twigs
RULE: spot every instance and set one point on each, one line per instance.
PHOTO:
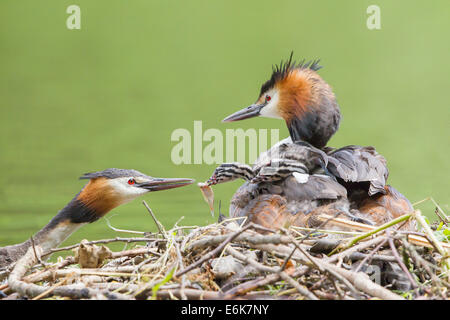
(238, 260)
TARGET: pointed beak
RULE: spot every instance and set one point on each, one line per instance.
(157, 184)
(249, 112)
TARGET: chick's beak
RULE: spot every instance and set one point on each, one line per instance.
(249, 112)
(157, 184)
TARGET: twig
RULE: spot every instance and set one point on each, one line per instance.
(301, 289)
(350, 233)
(317, 264)
(420, 262)
(135, 252)
(158, 224)
(104, 241)
(52, 288)
(443, 218)
(38, 258)
(77, 291)
(356, 239)
(445, 255)
(214, 252)
(360, 280)
(370, 255)
(123, 230)
(247, 237)
(183, 277)
(174, 271)
(399, 260)
(356, 248)
(286, 261)
(191, 294)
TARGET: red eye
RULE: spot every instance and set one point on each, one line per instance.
(131, 181)
(268, 98)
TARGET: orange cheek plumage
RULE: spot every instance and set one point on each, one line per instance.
(301, 91)
(99, 196)
(294, 94)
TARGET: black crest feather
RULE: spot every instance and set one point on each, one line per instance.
(113, 173)
(279, 72)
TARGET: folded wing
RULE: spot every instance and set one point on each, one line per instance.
(359, 164)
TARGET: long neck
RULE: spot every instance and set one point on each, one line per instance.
(302, 129)
(315, 127)
(74, 215)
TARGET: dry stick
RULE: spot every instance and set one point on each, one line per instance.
(415, 239)
(358, 256)
(38, 258)
(297, 246)
(347, 283)
(165, 293)
(31, 290)
(317, 265)
(41, 275)
(162, 260)
(301, 289)
(399, 260)
(349, 233)
(421, 262)
(213, 253)
(117, 239)
(354, 249)
(21, 267)
(328, 295)
(445, 254)
(443, 218)
(322, 267)
(143, 263)
(262, 228)
(323, 223)
(338, 290)
(183, 277)
(425, 241)
(158, 224)
(123, 271)
(191, 294)
(286, 261)
(360, 280)
(51, 289)
(216, 240)
(345, 223)
(356, 239)
(247, 237)
(248, 286)
(68, 261)
(370, 255)
(319, 283)
(122, 230)
(230, 250)
(86, 271)
(192, 235)
(134, 252)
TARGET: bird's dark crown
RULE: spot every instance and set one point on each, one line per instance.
(113, 173)
(280, 72)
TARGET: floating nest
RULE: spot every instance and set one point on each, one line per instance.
(238, 260)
